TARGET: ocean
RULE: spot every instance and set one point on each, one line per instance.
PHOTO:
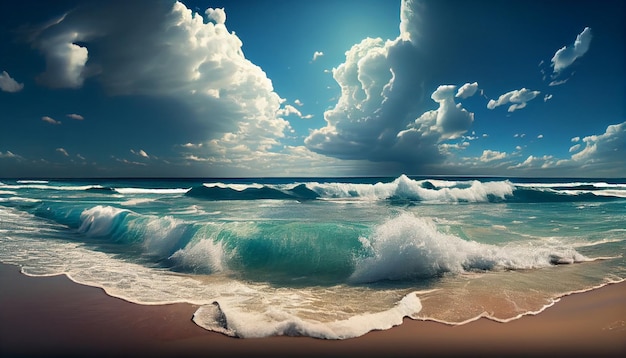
(331, 258)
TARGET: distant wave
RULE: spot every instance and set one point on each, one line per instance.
(405, 189)
(217, 192)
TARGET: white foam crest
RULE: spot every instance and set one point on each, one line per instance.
(233, 321)
(614, 193)
(238, 187)
(152, 191)
(205, 256)
(408, 247)
(19, 199)
(99, 220)
(54, 187)
(32, 182)
(405, 188)
(7, 192)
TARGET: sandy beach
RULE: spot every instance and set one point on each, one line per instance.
(53, 316)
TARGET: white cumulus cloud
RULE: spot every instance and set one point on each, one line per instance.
(8, 84)
(217, 15)
(172, 53)
(517, 98)
(467, 90)
(566, 55)
(380, 115)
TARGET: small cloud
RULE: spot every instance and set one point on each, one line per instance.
(518, 98)
(547, 97)
(491, 155)
(192, 145)
(558, 83)
(140, 153)
(565, 56)
(8, 84)
(75, 116)
(298, 102)
(540, 136)
(80, 157)
(317, 55)
(217, 15)
(62, 151)
(467, 90)
(50, 120)
(574, 148)
(575, 139)
(9, 154)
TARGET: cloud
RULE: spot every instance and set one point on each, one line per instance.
(547, 97)
(558, 82)
(8, 84)
(540, 136)
(380, 115)
(298, 102)
(62, 151)
(217, 15)
(172, 53)
(566, 55)
(9, 154)
(533, 162)
(50, 120)
(518, 98)
(317, 55)
(467, 90)
(140, 153)
(410, 21)
(75, 116)
(492, 155)
(607, 150)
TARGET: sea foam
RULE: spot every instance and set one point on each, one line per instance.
(409, 247)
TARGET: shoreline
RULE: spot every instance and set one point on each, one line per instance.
(53, 316)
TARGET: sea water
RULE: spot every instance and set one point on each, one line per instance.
(330, 258)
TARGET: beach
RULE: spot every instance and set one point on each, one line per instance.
(53, 316)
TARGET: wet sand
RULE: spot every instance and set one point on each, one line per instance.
(54, 317)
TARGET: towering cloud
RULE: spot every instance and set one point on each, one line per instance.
(378, 117)
(163, 49)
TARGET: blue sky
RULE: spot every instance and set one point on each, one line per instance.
(312, 88)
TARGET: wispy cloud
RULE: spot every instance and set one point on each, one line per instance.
(317, 55)
(62, 151)
(75, 116)
(50, 120)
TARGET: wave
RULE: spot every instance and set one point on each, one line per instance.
(404, 189)
(251, 192)
(409, 247)
(402, 248)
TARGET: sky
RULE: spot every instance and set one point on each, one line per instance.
(266, 88)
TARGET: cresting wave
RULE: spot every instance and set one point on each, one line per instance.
(405, 247)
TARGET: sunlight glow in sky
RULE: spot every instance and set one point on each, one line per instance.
(243, 88)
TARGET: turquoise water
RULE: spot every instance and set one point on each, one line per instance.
(329, 258)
